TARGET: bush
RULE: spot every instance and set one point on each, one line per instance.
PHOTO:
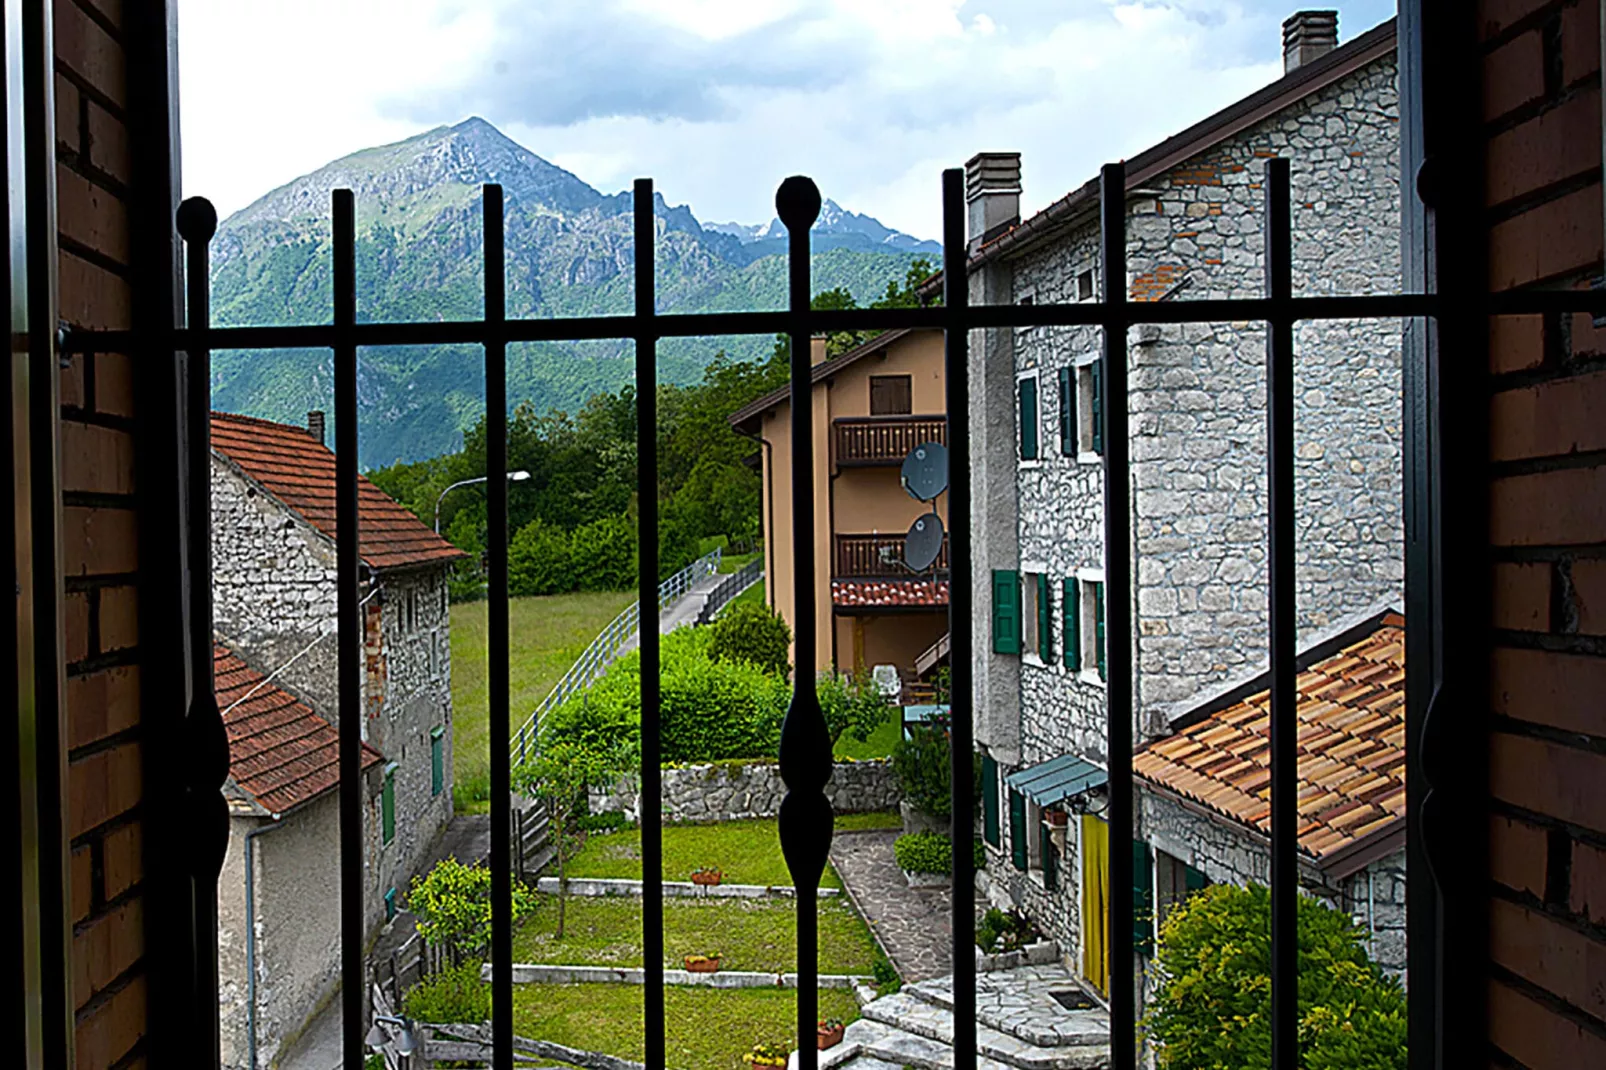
(453, 905)
(602, 555)
(885, 975)
(999, 931)
(754, 634)
(924, 852)
(538, 560)
(608, 821)
(921, 762)
(1214, 1000)
(452, 995)
(852, 706)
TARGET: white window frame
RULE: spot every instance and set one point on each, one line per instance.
(1083, 367)
(1035, 375)
(1087, 624)
(1030, 642)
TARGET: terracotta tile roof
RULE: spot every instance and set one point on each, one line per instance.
(300, 471)
(1351, 749)
(280, 752)
(889, 593)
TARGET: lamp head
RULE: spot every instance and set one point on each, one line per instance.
(377, 1037)
(518, 477)
(406, 1044)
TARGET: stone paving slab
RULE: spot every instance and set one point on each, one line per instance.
(1017, 1002)
(907, 1012)
(912, 924)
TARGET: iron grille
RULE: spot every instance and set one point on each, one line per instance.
(805, 754)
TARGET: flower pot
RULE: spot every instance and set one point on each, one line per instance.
(707, 878)
(702, 963)
(829, 1038)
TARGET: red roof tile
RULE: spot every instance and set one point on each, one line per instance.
(1351, 749)
(852, 593)
(300, 471)
(280, 752)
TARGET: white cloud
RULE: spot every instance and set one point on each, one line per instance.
(720, 99)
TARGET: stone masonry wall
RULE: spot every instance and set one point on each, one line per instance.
(730, 791)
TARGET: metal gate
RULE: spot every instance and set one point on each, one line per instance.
(805, 753)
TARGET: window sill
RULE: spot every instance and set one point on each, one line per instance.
(1087, 457)
(1091, 676)
(1038, 463)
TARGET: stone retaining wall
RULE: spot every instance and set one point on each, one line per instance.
(725, 791)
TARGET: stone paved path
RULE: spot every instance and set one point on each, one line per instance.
(913, 924)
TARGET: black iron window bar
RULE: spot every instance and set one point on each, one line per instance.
(805, 754)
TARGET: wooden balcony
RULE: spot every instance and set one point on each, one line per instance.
(884, 440)
(877, 557)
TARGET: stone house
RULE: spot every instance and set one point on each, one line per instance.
(274, 576)
(278, 948)
(1195, 208)
(872, 405)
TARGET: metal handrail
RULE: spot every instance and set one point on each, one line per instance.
(596, 658)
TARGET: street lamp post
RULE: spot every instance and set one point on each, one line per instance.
(515, 477)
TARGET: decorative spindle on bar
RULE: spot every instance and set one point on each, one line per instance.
(805, 758)
(204, 742)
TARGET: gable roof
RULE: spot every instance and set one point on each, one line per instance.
(820, 372)
(281, 753)
(1302, 82)
(1351, 715)
(299, 470)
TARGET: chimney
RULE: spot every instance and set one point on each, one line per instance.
(992, 191)
(315, 424)
(1308, 35)
(817, 350)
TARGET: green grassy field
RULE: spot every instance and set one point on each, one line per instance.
(754, 595)
(880, 742)
(747, 852)
(746, 934)
(547, 635)
(705, 1028)
(735, 562)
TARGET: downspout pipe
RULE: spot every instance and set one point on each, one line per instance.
(251, 940)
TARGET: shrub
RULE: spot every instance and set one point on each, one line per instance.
(921, 763)
(753, 633)
(924, 852)
(607, 821)
(885, 975)
(1000, 931)
(852, 706)
(453, 905)
(453, 995)
(1214, 1000)
(538, 560)
(602, 555)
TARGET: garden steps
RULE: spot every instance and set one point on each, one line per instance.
(1018, 1003)
(909, 1014)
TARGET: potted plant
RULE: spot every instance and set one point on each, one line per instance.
(707, 876)
(702, 963)
(830, 1033)
(767, 1055)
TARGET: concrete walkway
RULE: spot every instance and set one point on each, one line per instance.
(682, 613)
(913, 924)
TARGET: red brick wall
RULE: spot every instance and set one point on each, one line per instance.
(1547, 495)
(97, 468)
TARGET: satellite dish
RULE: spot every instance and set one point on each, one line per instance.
(925, 471)
(923, 544)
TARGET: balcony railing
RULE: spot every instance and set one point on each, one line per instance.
(877, 556)
(876, 440)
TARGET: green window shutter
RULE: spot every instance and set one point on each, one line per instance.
(1017, 829)
(437, 754)
(989, 799)
(387, 804)
(1193, 880)
(1142, 897)
(1045, 621)
(1006, 611)
(1098, 406)
(1028, 419)
(390, 904)
(1098, 626)
(1067, 382)
(1070, 624)
(1051, 862)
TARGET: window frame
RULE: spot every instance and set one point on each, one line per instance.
(1089, 399)
(908, 382)
(1093, 670)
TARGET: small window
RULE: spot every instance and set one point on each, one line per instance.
(1086, 287)
(1037, 616)
(1091, 627)
(891, 395)
(1174, 881)
(1090, 408)
(1028, 418)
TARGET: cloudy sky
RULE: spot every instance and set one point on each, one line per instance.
(718, 100)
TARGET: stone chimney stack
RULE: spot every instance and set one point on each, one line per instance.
(315, 424)
(1308, 35)
(817, 354)
(992, 192)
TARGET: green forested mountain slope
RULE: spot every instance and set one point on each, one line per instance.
(419, 258)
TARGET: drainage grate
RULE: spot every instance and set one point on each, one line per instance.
(1073, 999)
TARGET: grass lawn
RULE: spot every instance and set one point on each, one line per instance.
(735, 562)
(705, 1028)
(753, 594)
(746, 934)
(547, 635)
(880, 743)
(748, 852)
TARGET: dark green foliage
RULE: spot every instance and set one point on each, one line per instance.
(852, 705)
(752, 633)
(1214, 1001)
(924, 852)
(607, 821)
(455, 995)
(978, 855)
(885, 975)
(453, 905)
(538, 560)
(1000, 931)
(602, 555)
(921, 762)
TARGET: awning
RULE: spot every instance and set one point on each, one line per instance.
(1056, 780)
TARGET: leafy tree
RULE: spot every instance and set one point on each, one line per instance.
(559, 774)
(921, 764)
(1213, 1006)
(453, 905)
(852, 706)
(538, 560)
(753, 633)
(602, 554)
